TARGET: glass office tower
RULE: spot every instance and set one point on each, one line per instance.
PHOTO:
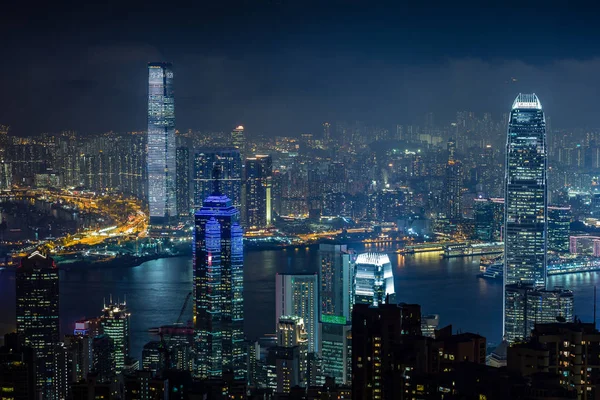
(525, 211)
(258, 185)
(115, 321)
(559, 228)
(374, 279)
(230, 178)
(297, 295)
(530, 306)
(37, 315)
(218, 288)
(161, 143)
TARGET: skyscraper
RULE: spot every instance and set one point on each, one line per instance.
(559, 228)
(374, 279)
(80, 349)
(218, 288)
(326, 132)
(63, 365)
(483, 213)
(453, 186)
(38, 314)
(292, 353)
(337, 298)
(530, 306)
(238, 140)
(297, 295)
(230, 178)
(375, 340)
(103, 358)
(115, 324)
(258, 185)
(336, 348)
(336, 279)
(161, 143)
(182, 181)
(525, 220)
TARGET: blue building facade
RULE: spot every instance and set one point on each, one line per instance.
(218, 289)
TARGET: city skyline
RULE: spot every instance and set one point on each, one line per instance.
(361, 174)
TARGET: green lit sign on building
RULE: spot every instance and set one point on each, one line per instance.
(333, 319)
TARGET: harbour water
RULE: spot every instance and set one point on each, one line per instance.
(156, 290)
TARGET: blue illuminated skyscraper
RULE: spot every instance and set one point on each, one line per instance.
(525, 211)
(218, 288)
(161, 143)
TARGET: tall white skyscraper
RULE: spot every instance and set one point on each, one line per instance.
(161, 144)
(374, 279)
(525, 210)
(297, 295)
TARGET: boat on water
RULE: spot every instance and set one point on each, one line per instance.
(493, 270)
(556, 265)
(486, 262)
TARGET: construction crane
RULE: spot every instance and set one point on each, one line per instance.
(185, 303)
(165, 349)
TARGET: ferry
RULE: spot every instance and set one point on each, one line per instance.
(466, 249)
(494, 271)
(486, 262)
(556, 266)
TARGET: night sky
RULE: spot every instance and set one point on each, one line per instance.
(284, 67)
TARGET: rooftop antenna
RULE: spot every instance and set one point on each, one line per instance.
(110, 298)
(125, 299)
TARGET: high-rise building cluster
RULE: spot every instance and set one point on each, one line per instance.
(339, 332)
(38, 362)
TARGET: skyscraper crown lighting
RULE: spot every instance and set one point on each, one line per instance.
(373, 258)
(527, 100)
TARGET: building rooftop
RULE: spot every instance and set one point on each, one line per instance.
(373, 258)
(37, 260)
(527, 101)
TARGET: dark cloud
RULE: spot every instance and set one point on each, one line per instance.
(285, 66)
(81, 85)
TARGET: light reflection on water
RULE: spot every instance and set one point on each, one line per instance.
(156, 290)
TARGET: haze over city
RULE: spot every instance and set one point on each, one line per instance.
(284, 200)
(286, 66)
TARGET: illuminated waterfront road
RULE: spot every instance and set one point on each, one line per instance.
(124, 217)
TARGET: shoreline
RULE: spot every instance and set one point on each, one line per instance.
(123, 262)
